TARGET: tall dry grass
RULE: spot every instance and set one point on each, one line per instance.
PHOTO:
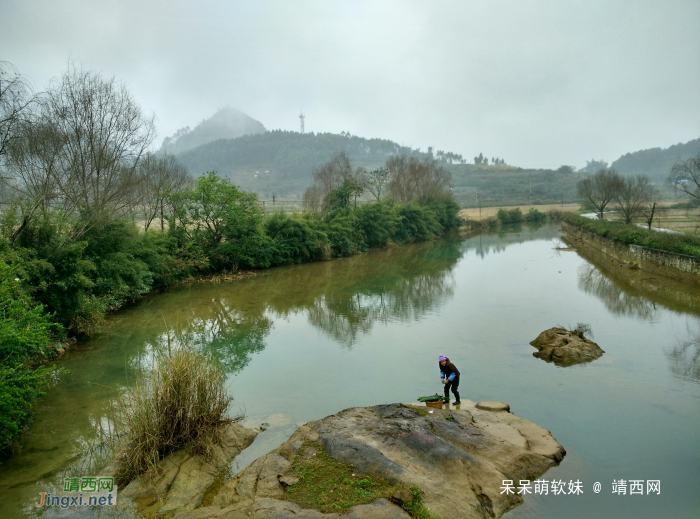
(182, 403)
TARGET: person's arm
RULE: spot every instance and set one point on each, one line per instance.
(442, 376)
(451, 377)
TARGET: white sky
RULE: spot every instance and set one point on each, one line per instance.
(539, 83)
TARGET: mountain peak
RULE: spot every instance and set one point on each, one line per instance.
(227, 123)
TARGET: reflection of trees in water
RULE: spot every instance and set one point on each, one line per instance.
(345, 317)
(684, 359)
(230, 335)
(485, 244)
(343, 298)
(616, 300)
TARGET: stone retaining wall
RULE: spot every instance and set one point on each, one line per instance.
(679, 267)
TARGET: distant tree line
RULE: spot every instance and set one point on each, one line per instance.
(495, 161)
(656, 162)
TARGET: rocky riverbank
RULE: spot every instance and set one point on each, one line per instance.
(450, 463)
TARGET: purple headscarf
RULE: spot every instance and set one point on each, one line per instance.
(442, 357)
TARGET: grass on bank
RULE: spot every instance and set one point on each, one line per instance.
(633, 235)
(512, 216)
(182, 403)
(332, 486)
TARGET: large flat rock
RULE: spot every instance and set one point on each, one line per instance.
(458, 457)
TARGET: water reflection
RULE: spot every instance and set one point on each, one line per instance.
(684, 359)
(496, 243)
(229, 333)
(345, 319)
(615, 298)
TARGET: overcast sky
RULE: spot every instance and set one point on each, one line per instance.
(539, 83)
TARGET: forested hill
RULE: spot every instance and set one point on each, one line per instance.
(656, 162)
(286, 159)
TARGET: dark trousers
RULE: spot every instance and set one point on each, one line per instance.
(454, 385)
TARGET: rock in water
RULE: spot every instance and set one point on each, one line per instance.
(565, 347)
(459, 464)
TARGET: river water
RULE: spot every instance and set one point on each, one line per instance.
(302, 342)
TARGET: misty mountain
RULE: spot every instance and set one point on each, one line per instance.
(227, 123)
(656, 162)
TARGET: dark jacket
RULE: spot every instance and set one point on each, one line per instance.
(448, 369)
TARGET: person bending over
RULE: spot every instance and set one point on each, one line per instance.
(449, 375)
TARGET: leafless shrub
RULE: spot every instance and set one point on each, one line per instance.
(583, 330)
(375, 181)
(413, 179)
(159, 177)
(331, 175)
(633, 197)
(15, 100)
(313, 199)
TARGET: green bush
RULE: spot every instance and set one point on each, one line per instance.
(225, 223)
(535, 216)
(417, 223)
(20, 386)
(513, 216)
(343, 236)
(633, 235)
(25, 339)
(294, 240)
(378, 223)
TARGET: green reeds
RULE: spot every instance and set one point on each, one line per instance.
(182, 403)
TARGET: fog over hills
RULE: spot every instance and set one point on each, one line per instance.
(656, 162)
(227, 123)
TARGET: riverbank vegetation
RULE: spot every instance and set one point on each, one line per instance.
(633, 235)
(512, 216)
(182, 403)
(93, 221)
(26, 332)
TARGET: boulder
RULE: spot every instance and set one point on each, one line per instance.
(181, 478)
(458, 457)
(565, 347)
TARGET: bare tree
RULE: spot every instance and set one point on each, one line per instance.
(633, 197)
(80, 150)
(33, 166)
(375, 181)
(600, 189)
(413, 179)
(15, 100)
(159, 177)
(331, 175)
(313, 199)
(685, 177)
(106, 135)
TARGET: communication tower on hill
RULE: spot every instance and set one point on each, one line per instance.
(301, 119)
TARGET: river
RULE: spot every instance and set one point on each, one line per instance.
(301, 342)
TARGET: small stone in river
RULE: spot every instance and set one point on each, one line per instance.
(565, 347)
